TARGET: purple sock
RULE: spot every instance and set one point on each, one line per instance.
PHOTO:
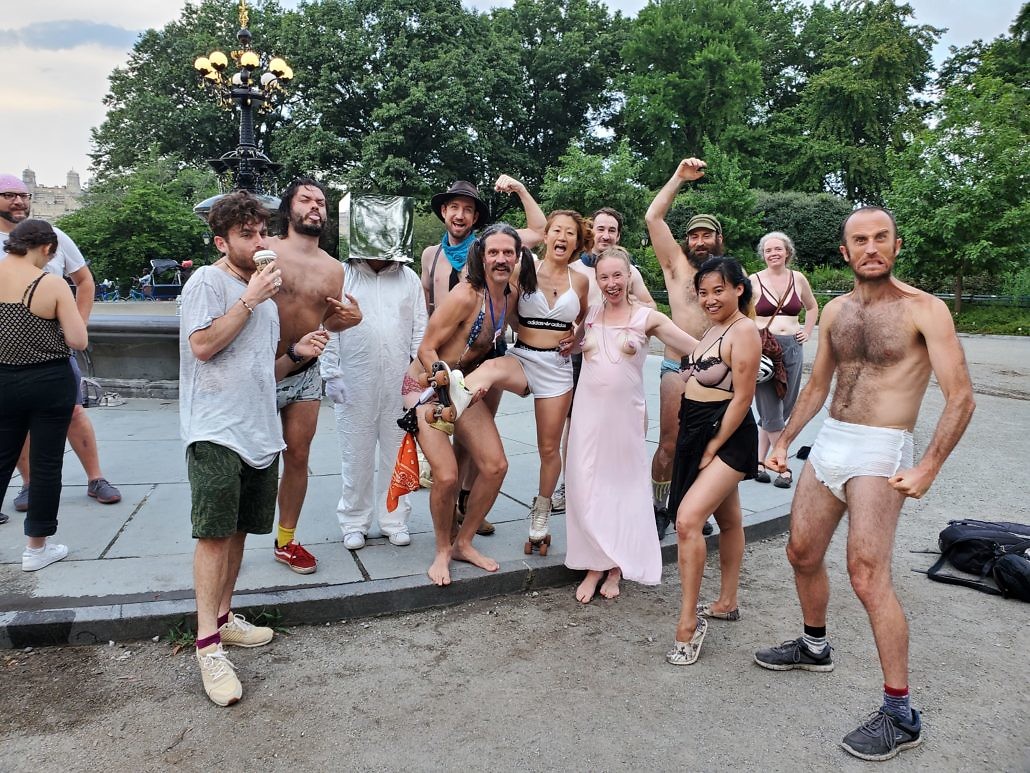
(223, 619)
(207, 641)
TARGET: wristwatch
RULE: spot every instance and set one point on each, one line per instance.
(291, 352)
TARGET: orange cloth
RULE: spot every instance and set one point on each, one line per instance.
(405, 473)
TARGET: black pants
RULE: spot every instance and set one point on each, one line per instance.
(37, 399)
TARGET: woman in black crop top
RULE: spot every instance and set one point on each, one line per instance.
(716, 449)
(39, 323)
(780, 296)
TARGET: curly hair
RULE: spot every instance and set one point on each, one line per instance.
(788, 244)
(234, 209)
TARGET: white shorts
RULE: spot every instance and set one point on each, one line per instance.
(843, 451)
(548, 373)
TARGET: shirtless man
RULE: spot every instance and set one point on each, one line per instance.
(679, 261)
(881, 341)
(310, 295)
(461, 209)
(465, 330)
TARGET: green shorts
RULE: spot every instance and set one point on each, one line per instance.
(227, 494)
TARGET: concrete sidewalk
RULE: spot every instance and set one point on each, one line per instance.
(129, 570)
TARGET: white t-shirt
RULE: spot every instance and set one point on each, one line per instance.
(67, 260)
(230, 399)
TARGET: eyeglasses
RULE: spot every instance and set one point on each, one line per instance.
(11, 196)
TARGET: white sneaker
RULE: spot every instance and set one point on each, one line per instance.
(558, 499)
(354, 540)
(34, 559)
(220, 681)
(459, 394)
(400, 538)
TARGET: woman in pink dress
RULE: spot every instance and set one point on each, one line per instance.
(609, 513)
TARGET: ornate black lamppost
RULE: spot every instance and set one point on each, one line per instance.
(246, 166)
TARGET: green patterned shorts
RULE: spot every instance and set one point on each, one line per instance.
(228, 495)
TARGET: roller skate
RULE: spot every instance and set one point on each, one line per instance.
(452, 395)
(539, 539)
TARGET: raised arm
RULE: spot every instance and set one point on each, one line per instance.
(666, 248)
(948, 361)
(536, 221)
(209, 341)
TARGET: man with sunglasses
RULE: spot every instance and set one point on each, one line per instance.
(15, 206)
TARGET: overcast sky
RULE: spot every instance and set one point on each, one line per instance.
(59, 53)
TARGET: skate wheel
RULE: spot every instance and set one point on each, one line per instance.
(441, 376)
(544, 545)
(528, 548)
(448, 413)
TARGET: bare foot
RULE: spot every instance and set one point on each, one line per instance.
(472, 556)
(440, 570)
(588, 587)
(610, 589)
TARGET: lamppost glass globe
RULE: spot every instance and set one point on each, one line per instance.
(249, 60)
(237, 79)
(202, 65)
(277, 66)
(266, 79)
(218, 60)
(287, 74)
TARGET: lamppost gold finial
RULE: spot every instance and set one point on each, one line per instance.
(244, 17)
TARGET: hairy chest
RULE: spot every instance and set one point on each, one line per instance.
(879, 335)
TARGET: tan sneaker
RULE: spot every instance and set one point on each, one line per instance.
(220, 682)
(239, 633)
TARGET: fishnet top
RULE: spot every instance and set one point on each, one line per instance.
(26, 339)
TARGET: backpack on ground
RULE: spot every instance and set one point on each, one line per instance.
(995, 553)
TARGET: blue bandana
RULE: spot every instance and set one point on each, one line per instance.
(457, 254)
(587, 259)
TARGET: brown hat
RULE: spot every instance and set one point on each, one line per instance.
(462, 188)
(705, 221)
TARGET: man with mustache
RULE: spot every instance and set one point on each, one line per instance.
(309, 297)
(461, 209)
(15, 206)
(466, 329)
(680, 262)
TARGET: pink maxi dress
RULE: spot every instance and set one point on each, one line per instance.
(609, 515)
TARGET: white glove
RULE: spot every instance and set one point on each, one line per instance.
(336, 390)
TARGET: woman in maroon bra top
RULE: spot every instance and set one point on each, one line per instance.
(780, 296)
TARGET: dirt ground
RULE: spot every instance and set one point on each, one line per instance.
(539, 682)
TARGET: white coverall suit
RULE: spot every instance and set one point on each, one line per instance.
(363, 368)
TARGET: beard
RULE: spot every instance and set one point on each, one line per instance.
(11, 218)
(298, 224)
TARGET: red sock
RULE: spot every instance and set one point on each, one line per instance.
(223, 619)
(207, 641)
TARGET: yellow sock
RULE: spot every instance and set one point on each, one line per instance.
(285, 536)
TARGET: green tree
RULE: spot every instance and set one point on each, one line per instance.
(692, 69)
(132, 218)
(961, 190)
(586, 182)
(866, 66)
(725, 191)
(155, 100)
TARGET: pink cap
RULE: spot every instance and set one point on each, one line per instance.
(11, 184)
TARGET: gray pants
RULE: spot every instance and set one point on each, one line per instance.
(772, 411)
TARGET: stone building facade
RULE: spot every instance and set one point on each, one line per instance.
(50, 203)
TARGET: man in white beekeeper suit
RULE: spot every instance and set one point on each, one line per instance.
(363, 368)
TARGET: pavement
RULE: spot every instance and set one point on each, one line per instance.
(128, 574)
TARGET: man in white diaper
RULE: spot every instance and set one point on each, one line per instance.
(881, 341)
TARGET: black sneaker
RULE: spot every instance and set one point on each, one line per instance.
(882, 736)
(662, 521)
(794, 654)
